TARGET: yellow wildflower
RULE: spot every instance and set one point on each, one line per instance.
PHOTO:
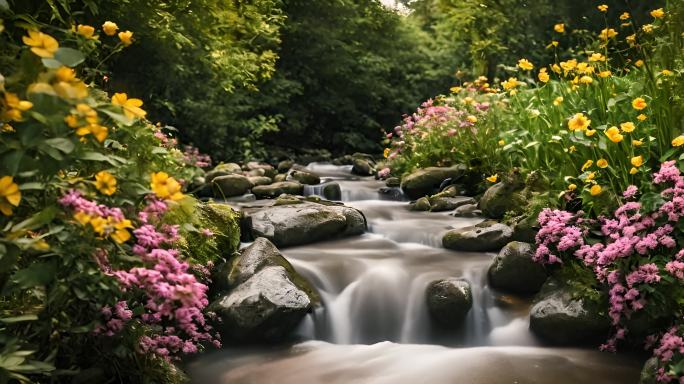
(556, 68)
(568, 65)
(597, 57)
(637, 161)
(578, 122)
(602, 163)
(642, 117)
(587, 165)
(9, 195)
(572, 187)
(86, 31)
(511, 83)
(658, 13)
(560, 28)
(639, 103)
(525, 64)
(648, 28)
(502, 143)
(624, 16)
(131, 107)
(627, 126)
(590, 132)
(586, 80)
(604, 74)
(633, 171)
(558, 100)
(614, 135)
(126, 38)
(14, 107)
(572, 149)
(455, 89)
(165, 186)
(637, 143)
(552, 44)
(595, 190)
(41, 44)
(666, 72)
(119, 229)
(607, 33)
(109, 28)
(631, 39)
(105, 182)
(471, 119)
(639, 63)
(493, 178)
(603, 8)
(386, 152)
(543, 76)
(678, 141)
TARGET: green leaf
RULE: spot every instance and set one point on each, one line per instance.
(94, 156)
(69, 56)
(4, 7)
(32, 186)
(8, 257)
(37, 274)
(51, 63)
(18, 319)
(38, 220)
(159, 150)
(667, 154)
(119, 117)
(62, 144)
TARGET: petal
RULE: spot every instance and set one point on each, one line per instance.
(134, 103)
(5, 208)
(119, 99)
(5, 182)
(14, 198)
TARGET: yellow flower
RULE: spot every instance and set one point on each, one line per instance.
(99, 132)
(511, 83)
(639, 63)
(41, 44)
(648, 28)
(552, 44)
(525, 64)
(607, 33)
(109, 28)
(86, 31)
(572, 187)
(586, 80)
(131, 107)
(455, 89)
(568, 65)
(386, 152)
(572, 149)
(637, 143)
(82, 217)
(614, 135)
(556, 68)
(105, 182)
(558, 100)
(560, 27)
(627, 127)
(587, 165)
(502, 143)
(602, 163)
(120, 232)
(578, 122)
(642, 117)
(126, 38)
(624, 16)
(605, 74)
(9, 195)
(99, 225)
(637, 161)
(590, 177)
(14, 107)
(678, 141)
(590, 132)
(472, 119)
(165, 186)
(597, 57)
(603, 8)
(639, 103)
(543, 76)
(666, 72)
(595, 190)
(631, 39)
(633, 171)
(493, 178)
(7, 128)
(658, 13)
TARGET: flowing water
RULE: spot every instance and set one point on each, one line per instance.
(374, 326)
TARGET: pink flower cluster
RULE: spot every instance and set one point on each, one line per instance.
(671, 344)
(115, 319)
(74, 199)
(192, 156)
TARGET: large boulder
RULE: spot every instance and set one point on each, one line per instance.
(306, 222)
(304, 177)
(561, 317)
(362, 167)
(504, 197)
(484, 237)
(426, 181)
(393, 182)
(231, 185)
(330, 190)
(260, 180)
(228, 167)
(514, 270)
(268, 169)
(448, 301)
(443, 203)
(260, 297)
(649, 371)
(422, 204)
(277, 189)
(285, 166)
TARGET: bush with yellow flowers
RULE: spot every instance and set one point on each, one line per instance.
(94, 284)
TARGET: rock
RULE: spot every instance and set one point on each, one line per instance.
(524, 228)
(268, 169)
(231, 185)
(649, 371)
(305, 223)
(304, 177)
(211, 175)
(484, 237)
(362, 167)
(559, 317)
(343, 160)
(330, 190)
(259, 172)
(260, 180)
(513, 269)
(448, 301)
(392, 182)
(268, 306)
(467, 210)
(440, 204)
(422, 204)
(277, 189)
(285, 166)
(425, 181)
(280, 177)
(391, 193)
(503, 197)
(228, 167)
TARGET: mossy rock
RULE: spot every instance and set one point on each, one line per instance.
(504, 197)
(426, 181)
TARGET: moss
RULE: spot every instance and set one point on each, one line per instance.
(193, 217)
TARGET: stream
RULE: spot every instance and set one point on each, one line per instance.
(374, 325)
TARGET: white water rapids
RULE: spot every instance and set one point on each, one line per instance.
(374, 326)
